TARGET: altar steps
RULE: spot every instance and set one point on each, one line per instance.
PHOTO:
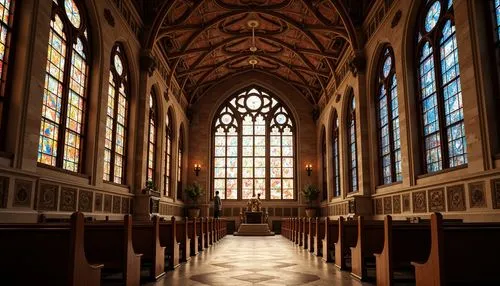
(254, 229)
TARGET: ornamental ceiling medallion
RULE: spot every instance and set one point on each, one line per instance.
(299, 41)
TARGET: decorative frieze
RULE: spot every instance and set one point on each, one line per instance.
(48, 197)
(387, 205)
(396, 204)
(4, 191)
(477, 195)
(68, 199)
(419, 200)
(456, 198)
(23, 190)
(85, 201)
(436, 200)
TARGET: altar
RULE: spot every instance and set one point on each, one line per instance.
(254, 217)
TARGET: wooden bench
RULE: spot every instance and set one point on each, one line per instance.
(348, 235)
(146, 240)
(182, 233)
(403, 244)
(330, 238)
(193, 236)
(208, 238)
(370, 241)
(465, 254)
(319, 234)
(200, 230)
(168, 239)
(310, 233)
(46, 255)
(299, 226)
(305, 232)
(110, 243)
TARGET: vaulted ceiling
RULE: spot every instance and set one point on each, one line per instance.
(299, 41)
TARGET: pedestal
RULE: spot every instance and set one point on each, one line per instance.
(254, 229)
(254, 217)
(145, 205)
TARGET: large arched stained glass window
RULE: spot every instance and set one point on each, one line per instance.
(324, 167)
(169, 134)
(64, 97)
(496, 8)
(6, 24)
(351, 145)
(152, 136)
(180, 158)
(254, 150)
(388, 120)
(335, 155)
(440, 89)
(116, 118)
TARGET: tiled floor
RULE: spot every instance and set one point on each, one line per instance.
(271, 260)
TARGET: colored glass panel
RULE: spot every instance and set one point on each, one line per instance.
(6, 21)
(336, 159)
(150, 173)
(72, 12)
(167, 177)
(432, 16)
(351, 141)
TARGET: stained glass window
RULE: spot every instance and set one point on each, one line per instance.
(324, 165)
(180, 158)
(255, 129)
(335, 155)
(116, 119)
(152, 134)
(167, 183)
(64, 97)
(351, 144)
(6, 23)
(497, 17)
(440, 91)
(388, 121)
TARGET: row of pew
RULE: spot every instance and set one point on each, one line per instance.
(82, 253)
(428, 253)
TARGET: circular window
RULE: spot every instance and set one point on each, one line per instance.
(432, 16)
(281, 119)
(72, 13)
(118, 64)
(387, 66)
(253, 102)
(226, 119)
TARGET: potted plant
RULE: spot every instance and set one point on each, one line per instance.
(193, 192)
(310, 193)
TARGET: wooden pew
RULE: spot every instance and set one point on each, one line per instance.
(296, 232)
(200, 230)
(208, 233)
(370, 241)
(146, 240)
(310, 233)
(465, 254)
(182, 233)
(292, 229)
(168, 239)
(46, 255)
(224, 228)
(110, 243)
(305, 232)
(300, 242)
(330, 238)
(319, 234)
(348, 235)
(402, 244)
(193, 236)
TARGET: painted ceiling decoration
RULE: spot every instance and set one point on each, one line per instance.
(299, 41)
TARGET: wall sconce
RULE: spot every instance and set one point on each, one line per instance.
(309, 169)
(197, 169)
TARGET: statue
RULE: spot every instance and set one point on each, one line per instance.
(254, 204)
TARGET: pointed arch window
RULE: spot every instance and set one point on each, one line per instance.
(253, 143)
(388, 120)
(167, 188)
(152, 136)
(180, 158)
(441, 105)
(335, 155)
(116, 118)
(6, 26)
(66, 79)
(351, 145)
(324, 165)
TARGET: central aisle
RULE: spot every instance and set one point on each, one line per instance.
(271, 260)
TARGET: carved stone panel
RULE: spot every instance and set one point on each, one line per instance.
(22, 193)
(495, 188)
(98, 202)
(406, 203)
(378, 207)
(125, 204)
(477, 195)
(48, 197)
(116, 204)
(107, 203)
(396, 204)
(68, 199)
(85, 201)
(436, 200)
(419, 202)
(4, 191)
(456, 198)
(387, 205)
